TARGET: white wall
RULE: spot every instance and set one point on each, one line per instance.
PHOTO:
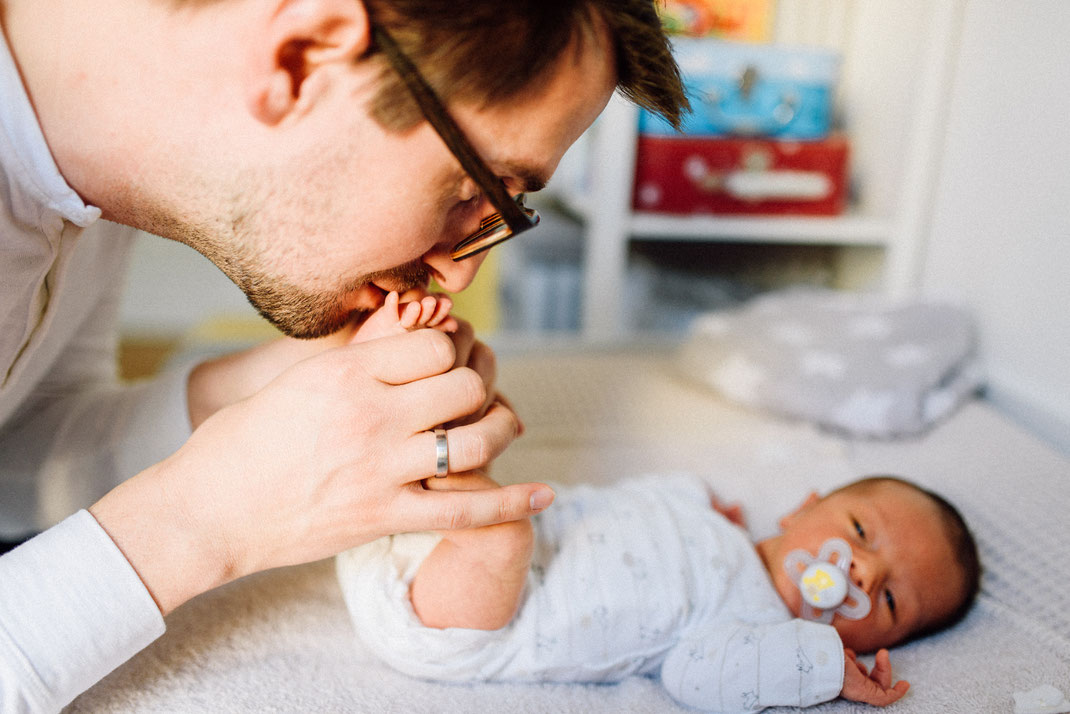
(1000, 236)
(171, 288)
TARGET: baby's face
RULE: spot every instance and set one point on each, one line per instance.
(900, 557)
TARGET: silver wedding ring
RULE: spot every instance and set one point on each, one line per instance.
(442, 454)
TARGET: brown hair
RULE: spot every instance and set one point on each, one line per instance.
(962, 545)
(486, 51)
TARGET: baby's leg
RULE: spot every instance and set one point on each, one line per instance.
(396, 317)
(474, 577)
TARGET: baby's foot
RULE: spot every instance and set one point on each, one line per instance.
(396, 317)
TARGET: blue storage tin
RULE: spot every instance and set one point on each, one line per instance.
(739, 89)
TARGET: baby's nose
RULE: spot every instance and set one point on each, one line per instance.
(862, 572)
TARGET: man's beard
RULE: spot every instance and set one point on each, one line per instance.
(307, 315)
(295, 311)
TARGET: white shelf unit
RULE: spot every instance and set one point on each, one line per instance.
(891, 101)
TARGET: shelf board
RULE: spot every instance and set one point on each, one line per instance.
(852, 228)
(849, 229)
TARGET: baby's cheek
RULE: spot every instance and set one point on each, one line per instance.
(788, 593)
(862, 636)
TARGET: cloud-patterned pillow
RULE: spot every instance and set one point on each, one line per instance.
(861, 364)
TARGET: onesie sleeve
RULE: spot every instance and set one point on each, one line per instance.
(739, 667)
(72, 609)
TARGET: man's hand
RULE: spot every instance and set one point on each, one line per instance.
(228, 379)
(860, 685)
(477, 356)
(220, 382)
(327, 456)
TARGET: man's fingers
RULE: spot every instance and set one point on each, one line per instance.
(463, 339)
(464, 481)
(501, 399)
(482, 361)
(474, 445)
(481, 358)
(407, 357)
(439, 399)
(449, 510)
(469, 447)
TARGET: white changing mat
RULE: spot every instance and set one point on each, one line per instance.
(282, 641)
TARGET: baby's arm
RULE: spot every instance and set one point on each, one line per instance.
(401, 313)
(473, 578)
(726, 665)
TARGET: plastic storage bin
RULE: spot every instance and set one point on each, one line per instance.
(739, 89)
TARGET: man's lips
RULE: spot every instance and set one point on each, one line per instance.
(367, 297)
(402, 285)
(371, 295)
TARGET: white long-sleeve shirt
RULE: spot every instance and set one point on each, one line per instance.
(71, 607)
(639, 578)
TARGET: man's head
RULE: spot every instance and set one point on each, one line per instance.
(272, 136)
(524, 38)
(911, 553)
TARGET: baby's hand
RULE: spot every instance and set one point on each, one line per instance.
(732, 511)
(420, 309)
(874, 687)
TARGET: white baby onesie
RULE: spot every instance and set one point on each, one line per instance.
(639, 578)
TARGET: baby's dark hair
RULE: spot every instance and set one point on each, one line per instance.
(962, 545)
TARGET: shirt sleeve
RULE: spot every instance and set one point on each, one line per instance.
(72, 609)
(81, 431)
(739, 667)
(72, 446)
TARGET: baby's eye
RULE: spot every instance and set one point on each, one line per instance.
(888, 598)
(858, 529)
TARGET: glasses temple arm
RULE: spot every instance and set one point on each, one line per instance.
(450, 133)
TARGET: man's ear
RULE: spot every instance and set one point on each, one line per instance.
(298, 38)
(811, 499)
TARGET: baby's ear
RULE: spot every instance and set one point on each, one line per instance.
(810, 500)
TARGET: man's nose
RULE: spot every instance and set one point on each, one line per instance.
(452, 276)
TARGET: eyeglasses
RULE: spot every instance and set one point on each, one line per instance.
(513, 217)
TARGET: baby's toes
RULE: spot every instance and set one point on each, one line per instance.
(410, 315)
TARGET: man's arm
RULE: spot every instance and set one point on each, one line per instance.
(328, 456)
(189, 522)
(71, 610)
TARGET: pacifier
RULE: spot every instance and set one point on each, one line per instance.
(826, 589)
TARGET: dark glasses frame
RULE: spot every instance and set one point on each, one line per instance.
(512, 217)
